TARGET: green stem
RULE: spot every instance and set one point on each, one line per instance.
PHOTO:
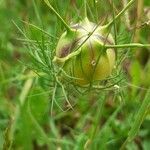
(85, 9)
(131, 45)
(96, 124)
(75, 53)
(114, 28)
(22, 98)
(138, 120)
(64, 92)
(37, 12)
(42, 132)
(98, 117)
(96, 11)
(55, 12)
(43, 31)
(127, 6)
(22, 77)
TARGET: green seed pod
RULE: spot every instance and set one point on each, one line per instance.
(66, 44)
(94, 62)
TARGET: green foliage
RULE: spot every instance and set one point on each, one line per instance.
(38, 110)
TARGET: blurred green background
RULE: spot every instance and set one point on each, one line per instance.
(35, 128)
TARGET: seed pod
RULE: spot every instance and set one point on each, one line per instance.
(94, 62)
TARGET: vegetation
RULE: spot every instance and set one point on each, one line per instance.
(48, 100)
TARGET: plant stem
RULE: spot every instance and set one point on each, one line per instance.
(63, 90)
(131, 45)
(42, 132)
(43, 31)
(126, 16)
(96, 125)
(138, 119)
(23, 95)
(124, 9)
(75, 53)
(37, 12)
(139, 14)
(114, 28)
(96, 11)
(85, 9)
(98, 117)
(55, 12)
